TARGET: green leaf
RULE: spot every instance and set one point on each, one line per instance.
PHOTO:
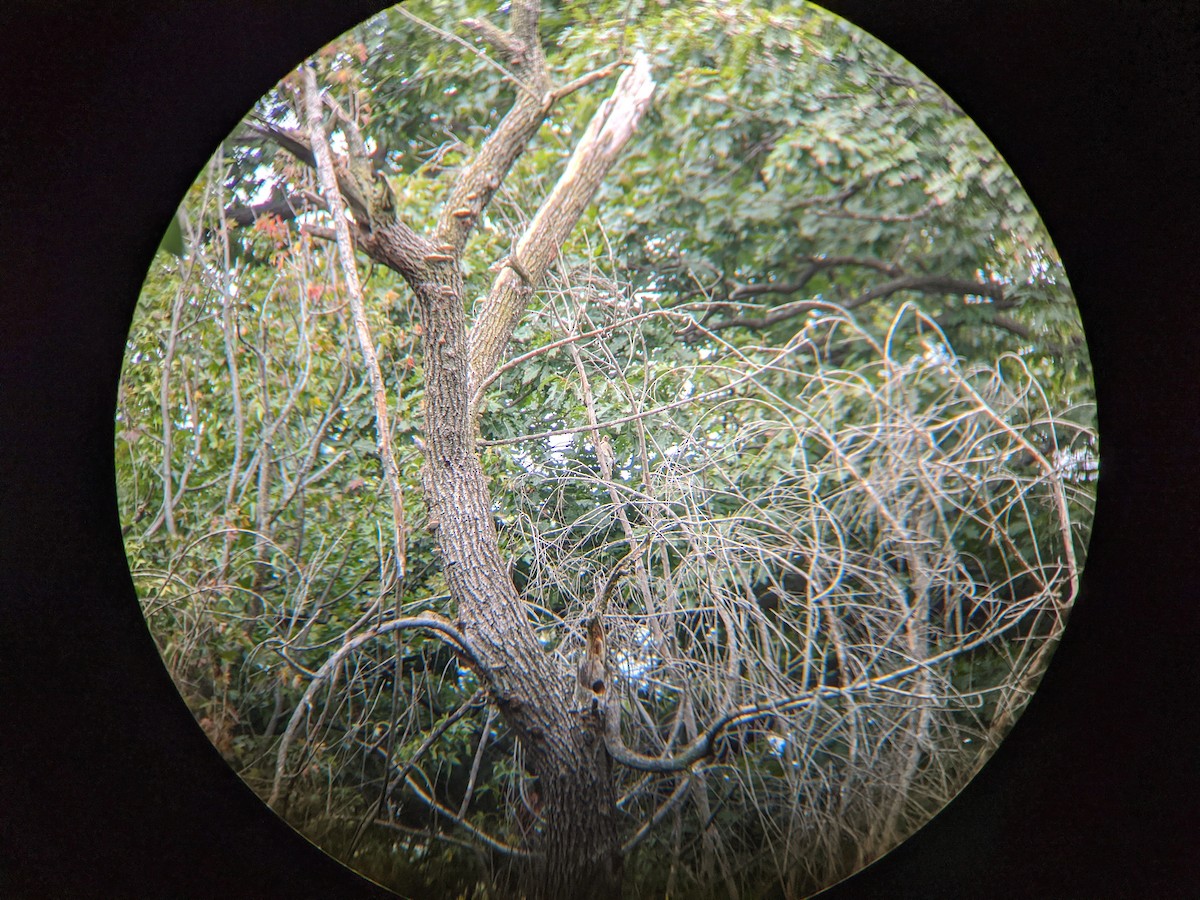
(172, 239)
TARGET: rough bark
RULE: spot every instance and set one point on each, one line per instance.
(576, 851)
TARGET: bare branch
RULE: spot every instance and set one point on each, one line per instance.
(503, 42)
(493, 35)
(602, 142)
(517, 361)
(703, 745)
(928, 284)
(669, 805)
(483, 838)
(792, 346)
(298, 143)
(480, 178)
(383, 428)
(319, 231)
(816, 264)
(584, 80)
(430, 621)
(435, 734)
(483, 742)
(277, 205)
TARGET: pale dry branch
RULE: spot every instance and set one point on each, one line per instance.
(911, 475)
(333, 197)
(595, 153)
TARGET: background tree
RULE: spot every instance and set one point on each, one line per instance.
(708, 352)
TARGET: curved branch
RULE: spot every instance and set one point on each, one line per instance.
(792, 346)
(431, 738)
(477, 395)
(459, 820)
(703, 745)
(935, 284)
(928, 284)
(432, 621)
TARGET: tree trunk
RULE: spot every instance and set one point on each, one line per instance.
(577, 851)
(580, 845)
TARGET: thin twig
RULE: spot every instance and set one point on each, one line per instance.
(383, 429)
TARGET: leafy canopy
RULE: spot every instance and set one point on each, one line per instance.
(850, 393)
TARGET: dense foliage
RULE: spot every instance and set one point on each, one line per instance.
(806, 391)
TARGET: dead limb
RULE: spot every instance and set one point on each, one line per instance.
(598, 149)
(383, 429)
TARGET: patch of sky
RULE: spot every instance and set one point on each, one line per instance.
(636, 662)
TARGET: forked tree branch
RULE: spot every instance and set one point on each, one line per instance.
(479, 179)
(498, 38)
(598, 149)
(299, 144)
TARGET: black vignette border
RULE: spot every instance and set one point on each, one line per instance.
(108, 789)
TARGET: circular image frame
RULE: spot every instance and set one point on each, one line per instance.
(117, 627)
